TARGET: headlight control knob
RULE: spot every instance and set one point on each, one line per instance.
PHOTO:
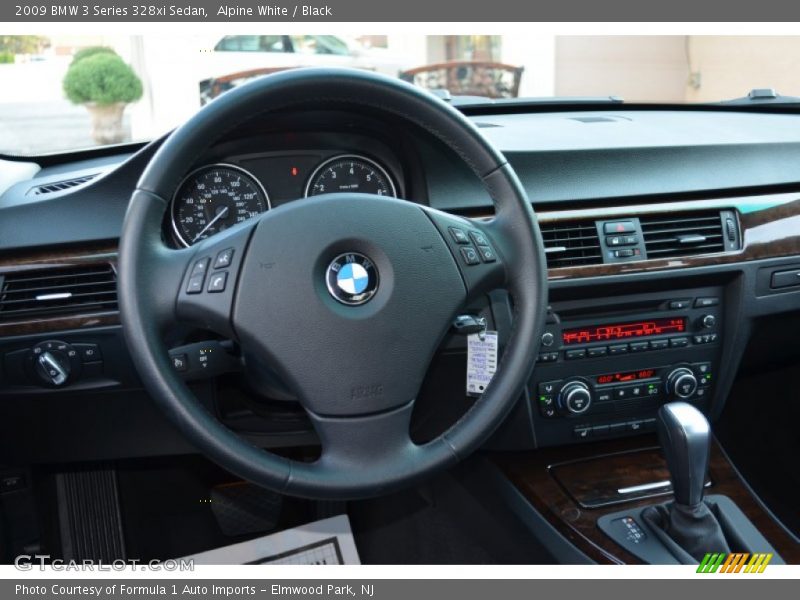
(52, 367)
(54, 362)
(575, 397)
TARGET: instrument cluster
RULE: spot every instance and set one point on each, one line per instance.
(219, 195)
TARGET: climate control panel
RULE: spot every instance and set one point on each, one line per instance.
(607, 394)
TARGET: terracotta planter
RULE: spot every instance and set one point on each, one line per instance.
(107, 122)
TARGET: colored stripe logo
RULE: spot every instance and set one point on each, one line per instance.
(737, 562)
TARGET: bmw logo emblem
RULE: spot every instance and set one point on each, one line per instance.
(352, 278)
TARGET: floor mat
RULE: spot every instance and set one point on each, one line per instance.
(242, 508)
(443, 522)
(167, 508)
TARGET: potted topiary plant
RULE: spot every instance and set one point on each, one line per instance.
(105, 84)
(91, 51)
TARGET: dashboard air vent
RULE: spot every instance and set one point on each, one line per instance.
(59, 186)
(571, 243)
(682, 234)
(58, 291)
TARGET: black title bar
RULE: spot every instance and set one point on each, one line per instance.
(461, 11)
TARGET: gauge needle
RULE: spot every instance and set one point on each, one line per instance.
(220, 214)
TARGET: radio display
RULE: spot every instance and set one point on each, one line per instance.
(623, 331)
(625, 377)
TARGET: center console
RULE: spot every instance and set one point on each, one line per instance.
(584, 491)
(606, 365)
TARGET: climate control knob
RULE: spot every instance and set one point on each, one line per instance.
(575, 397)
(682, 383)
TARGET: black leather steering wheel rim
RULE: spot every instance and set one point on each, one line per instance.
(369, 455)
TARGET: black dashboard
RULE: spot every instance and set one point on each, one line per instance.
(669, 235)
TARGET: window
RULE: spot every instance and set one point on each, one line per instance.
(250, 43)
(319, 44)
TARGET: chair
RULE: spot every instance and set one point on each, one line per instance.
(468, 78)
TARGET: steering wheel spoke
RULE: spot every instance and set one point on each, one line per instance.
(208, 287)
(475, 249)
(343, 439)
(385, 436)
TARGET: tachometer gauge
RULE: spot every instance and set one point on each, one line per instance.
(213, 198)
(350, 173)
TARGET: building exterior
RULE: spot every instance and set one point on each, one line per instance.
(637, 68)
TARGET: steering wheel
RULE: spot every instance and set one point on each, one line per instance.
(346, 296)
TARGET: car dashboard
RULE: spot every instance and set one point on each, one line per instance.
(669, 233)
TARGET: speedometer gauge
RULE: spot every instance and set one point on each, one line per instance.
(213, 198)
(350, 173)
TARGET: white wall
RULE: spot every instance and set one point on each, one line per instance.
(413, 48)
(538, 55)
(638, 68)
(171, 73)
(729, 66)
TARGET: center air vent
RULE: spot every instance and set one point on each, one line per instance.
(58, 291)
(571, 243)
(684, 234)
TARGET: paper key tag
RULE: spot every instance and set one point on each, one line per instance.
(481, 361)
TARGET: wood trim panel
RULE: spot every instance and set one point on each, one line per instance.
(531, 474)
(595, 482)
(772, 232)
(63, 257)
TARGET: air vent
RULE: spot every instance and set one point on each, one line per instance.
(60, 186)
(682, 234)
(58, 291)
(571, 243)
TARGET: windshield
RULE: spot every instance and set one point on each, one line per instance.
(67, 92)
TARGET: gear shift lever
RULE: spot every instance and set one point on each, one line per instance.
(688, 522)
(684, 434)
(690, 527)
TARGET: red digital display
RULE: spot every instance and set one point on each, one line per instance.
(625, 377)
(623, 331)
